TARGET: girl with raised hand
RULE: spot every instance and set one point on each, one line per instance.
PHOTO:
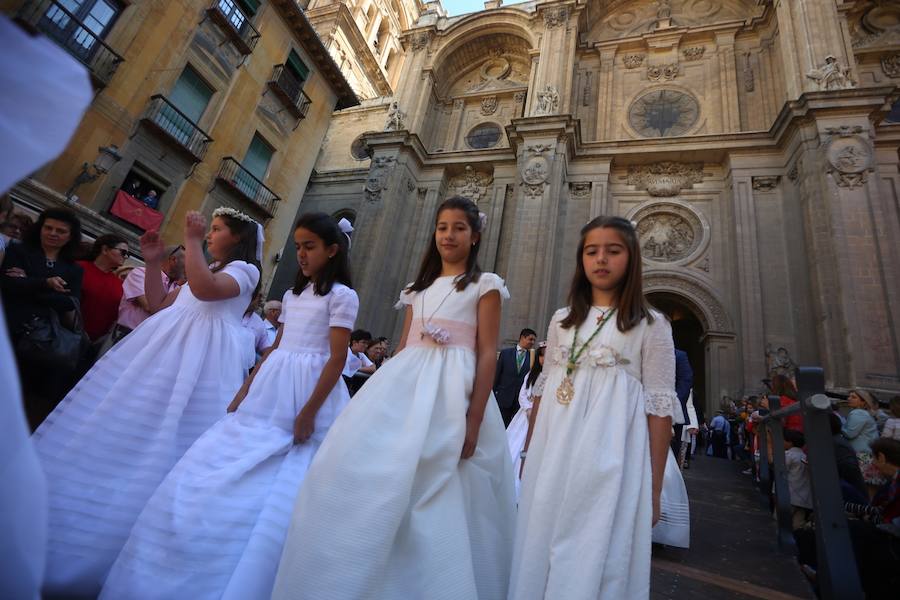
(594, 472)
(117, 434)
(411, 494)
(215, 526)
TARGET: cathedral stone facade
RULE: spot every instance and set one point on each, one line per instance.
(753, 142)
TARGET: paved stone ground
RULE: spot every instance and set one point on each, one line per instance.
(734, 554)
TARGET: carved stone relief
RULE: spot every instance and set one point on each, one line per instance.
(536, 170)
(586, 90)
(668, 235)
(556, 16)
(419, 40)
(633, 61)
(831, 75)
(580, 190)
(891, 65)
(470, 184)
(519, 97)
(849, 155)
(695, 53)
(662, 72)
(794, 173)
(665, 179)
(489, 105)
(766, 183)
(379, 171)
(547, 101)
(749, 81)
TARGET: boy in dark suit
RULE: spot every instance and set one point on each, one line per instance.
(513, 365)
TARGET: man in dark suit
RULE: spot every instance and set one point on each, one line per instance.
(513, 365)
(684, 381)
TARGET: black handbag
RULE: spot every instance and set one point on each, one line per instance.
(44, 341)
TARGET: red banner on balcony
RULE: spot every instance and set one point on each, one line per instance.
(129, 208)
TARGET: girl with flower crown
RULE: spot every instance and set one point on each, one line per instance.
(411, 495)
(117, 434)
(594, 469)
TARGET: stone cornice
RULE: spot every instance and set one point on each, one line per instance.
(340, 16)
(295, 18)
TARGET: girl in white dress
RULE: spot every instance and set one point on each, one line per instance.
(215, 526)
(594, 472)
(517, 432)
(411, 495)
(111, 441)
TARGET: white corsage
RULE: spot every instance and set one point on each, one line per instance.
(438, 334)
(604, 356)
(560, 355)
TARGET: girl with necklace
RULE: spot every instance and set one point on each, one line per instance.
(412, 495)
(594, 470)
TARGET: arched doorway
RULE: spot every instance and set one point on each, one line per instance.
(688, 333)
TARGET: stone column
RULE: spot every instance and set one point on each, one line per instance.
(605, 99)
(555, 66)
(731, 116)
(852, 232)
(746, 252)
(810, 30)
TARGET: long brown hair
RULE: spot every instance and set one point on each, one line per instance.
(631, 306)
(431, 262)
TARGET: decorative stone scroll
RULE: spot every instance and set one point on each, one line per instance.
(556, 16)
(471, 184)
(379, 171)
(665, 179)
(662, 72)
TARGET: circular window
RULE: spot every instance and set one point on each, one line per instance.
(663, 113)
(486, 135)
(359, 149)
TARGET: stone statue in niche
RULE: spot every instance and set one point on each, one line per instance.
(548, 101)
(779, 362)
(395, 118)
(831, 75)
(665, 237)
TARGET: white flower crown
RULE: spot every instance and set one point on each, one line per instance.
(234, 214)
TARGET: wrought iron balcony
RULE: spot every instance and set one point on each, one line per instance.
(289, 88)
(63, 27)
(235, 24)
(247, 185)
(175, 125)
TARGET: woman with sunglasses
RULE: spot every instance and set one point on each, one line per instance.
(101, 288)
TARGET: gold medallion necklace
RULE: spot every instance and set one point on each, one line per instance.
(566, 390)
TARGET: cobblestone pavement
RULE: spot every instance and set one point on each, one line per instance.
(734, 554)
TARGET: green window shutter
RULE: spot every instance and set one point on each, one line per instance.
(250, 6)
(191, 94)
(258, 157)
(297, 66)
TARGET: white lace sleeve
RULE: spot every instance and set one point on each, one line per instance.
(537, 390)
(553, 353)
(488, 282)
(658, 370)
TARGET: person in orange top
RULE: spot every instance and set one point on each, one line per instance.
(101, 288)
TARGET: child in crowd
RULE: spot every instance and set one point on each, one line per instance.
(798, 477)
(892, 425)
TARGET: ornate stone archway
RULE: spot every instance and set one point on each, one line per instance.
(710, 309)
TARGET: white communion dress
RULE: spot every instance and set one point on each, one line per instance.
(389, 509)
(518, 427)
(586, 507)
(216, 525)
(116, 435)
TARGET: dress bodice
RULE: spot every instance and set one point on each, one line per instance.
(455, 312)
(308, 317)
(230, 310)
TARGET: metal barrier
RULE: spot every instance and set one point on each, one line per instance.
(837, 574)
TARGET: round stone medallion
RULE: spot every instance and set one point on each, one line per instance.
(670, 232)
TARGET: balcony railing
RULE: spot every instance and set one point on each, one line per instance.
(162, 115)
(289, 88)
(247, 185)
(235, 24)
(64, 28)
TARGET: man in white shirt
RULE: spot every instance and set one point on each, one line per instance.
(253, 323)
(271, 310)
